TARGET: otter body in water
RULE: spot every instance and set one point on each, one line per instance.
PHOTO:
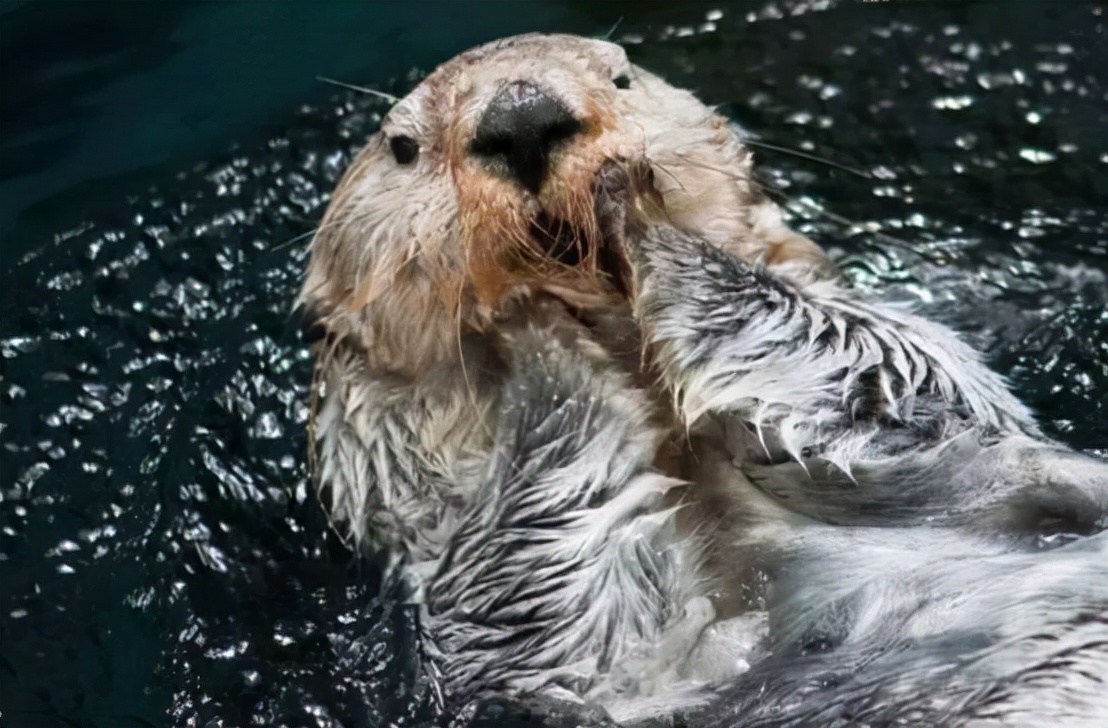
(631, 442)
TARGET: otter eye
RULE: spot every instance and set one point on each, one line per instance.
(622, 81)
(404, 149)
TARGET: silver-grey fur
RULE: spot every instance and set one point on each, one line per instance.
(940, 601)
(853, 523)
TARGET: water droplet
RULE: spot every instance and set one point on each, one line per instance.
(1036, 156)
(952, 103)
(268, 427)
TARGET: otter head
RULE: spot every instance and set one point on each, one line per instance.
(480, 185)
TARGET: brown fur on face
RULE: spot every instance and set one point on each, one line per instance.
(411, 256)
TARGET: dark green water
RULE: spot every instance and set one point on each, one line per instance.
(162, 559)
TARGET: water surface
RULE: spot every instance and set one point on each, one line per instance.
(164, 561)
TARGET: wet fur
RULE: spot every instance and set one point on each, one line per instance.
(904, 525)
(706, 479)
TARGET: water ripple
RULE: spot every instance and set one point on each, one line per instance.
(160, 545)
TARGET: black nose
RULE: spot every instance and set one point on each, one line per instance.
(519, 128)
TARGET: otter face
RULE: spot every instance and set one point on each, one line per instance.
(481, 184)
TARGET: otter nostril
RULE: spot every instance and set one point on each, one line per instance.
(519, 127)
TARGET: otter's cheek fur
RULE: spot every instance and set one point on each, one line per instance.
(628, 442)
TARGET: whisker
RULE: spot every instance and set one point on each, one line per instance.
(878, 234)
(747, 141)
(458, 343)
(791, 202)
(612, 30)
(471, 393)
(361, 89)
(675, 178)
(294, 240)
(314, 231)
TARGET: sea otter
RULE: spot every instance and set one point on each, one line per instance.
(631, 442)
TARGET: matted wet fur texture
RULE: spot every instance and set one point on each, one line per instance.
(632, 444)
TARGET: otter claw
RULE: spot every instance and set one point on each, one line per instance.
(613, 197)
(616, 185)
(621, 188)
(619, 182)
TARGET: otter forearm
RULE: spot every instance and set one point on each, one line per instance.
(738, 337)
(569, 500)
(851, 410)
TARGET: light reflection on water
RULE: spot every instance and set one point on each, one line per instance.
(161, 547)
